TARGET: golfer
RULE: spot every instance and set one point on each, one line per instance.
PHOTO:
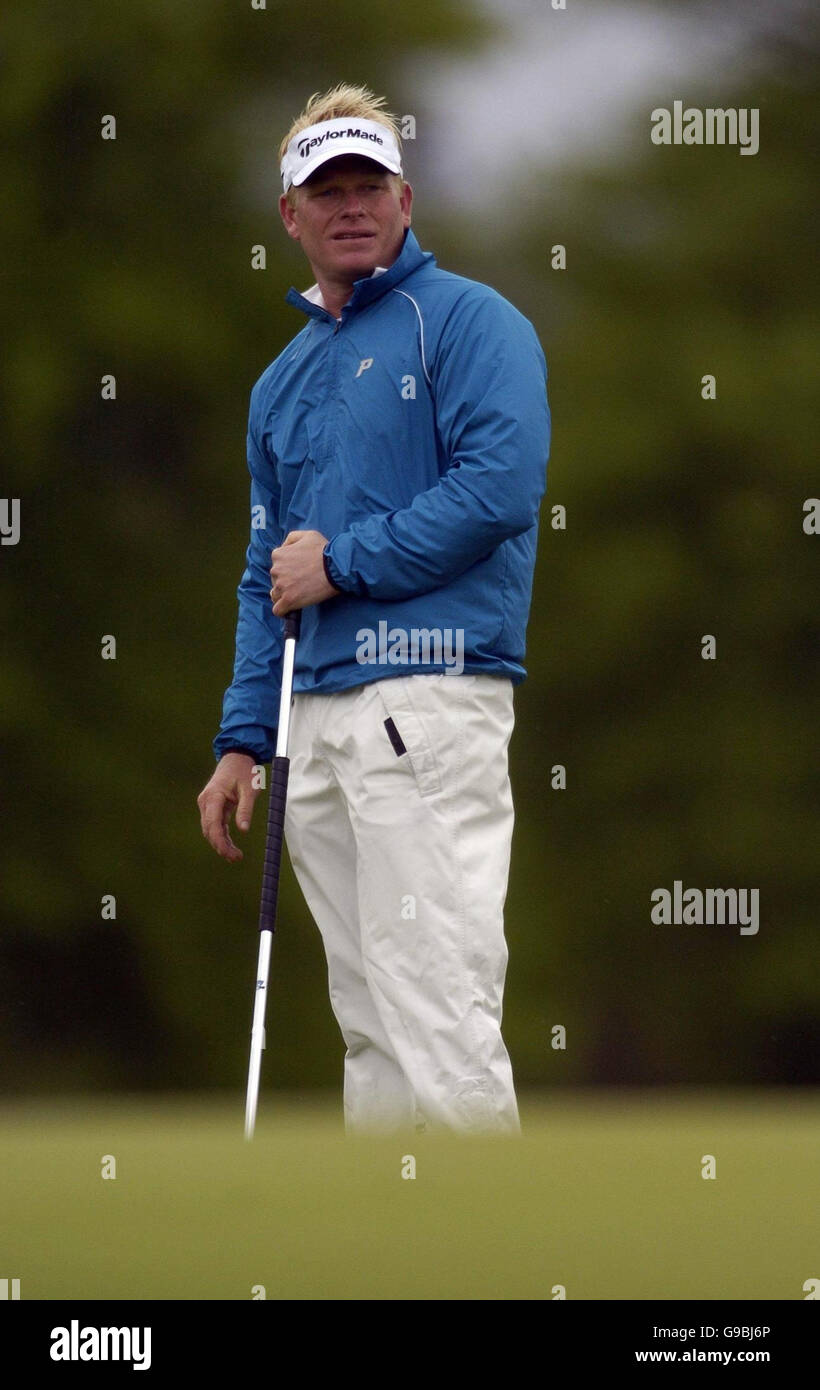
(397, 449)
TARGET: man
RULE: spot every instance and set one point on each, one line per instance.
(397, 451)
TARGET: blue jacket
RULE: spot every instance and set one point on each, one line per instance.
(415, 435)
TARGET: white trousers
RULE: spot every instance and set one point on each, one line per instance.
(399, 835)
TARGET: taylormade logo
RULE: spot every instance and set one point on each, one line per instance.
(352, 133)
(414, 646)
(74, 1343)
(713, 126)
(691, 907)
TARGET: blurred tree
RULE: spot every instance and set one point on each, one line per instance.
(684, 518)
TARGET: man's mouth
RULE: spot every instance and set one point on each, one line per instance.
(352, 236)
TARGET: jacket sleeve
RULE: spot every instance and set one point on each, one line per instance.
(489, 382)
(250, 711)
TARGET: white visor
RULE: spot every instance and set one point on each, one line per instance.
(314, 145)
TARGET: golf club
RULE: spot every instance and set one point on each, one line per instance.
(272, 864)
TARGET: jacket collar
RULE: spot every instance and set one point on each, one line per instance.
(372, 287)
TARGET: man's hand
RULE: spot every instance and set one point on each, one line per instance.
(229, 788)
(298, 572)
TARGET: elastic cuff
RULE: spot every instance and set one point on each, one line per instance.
(329, 576)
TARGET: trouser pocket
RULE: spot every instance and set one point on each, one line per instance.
(411, 730)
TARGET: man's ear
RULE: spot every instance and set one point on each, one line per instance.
(288, 215)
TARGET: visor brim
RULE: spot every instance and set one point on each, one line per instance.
(353, 147)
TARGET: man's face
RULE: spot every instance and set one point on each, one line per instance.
(349, 217)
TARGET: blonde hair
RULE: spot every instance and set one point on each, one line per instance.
(342, 100)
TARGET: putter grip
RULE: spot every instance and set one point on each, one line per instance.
(273, 843)
(293, 623)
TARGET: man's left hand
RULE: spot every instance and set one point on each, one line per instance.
(297, 574)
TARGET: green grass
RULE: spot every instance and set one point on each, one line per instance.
(603, 1194)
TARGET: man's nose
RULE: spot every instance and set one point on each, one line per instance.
(352, 202)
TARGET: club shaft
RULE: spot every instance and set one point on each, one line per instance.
(270, 877)
(257, 1031)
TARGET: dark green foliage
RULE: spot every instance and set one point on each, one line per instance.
(132, 257)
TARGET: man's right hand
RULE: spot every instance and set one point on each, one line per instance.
(229, 789)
